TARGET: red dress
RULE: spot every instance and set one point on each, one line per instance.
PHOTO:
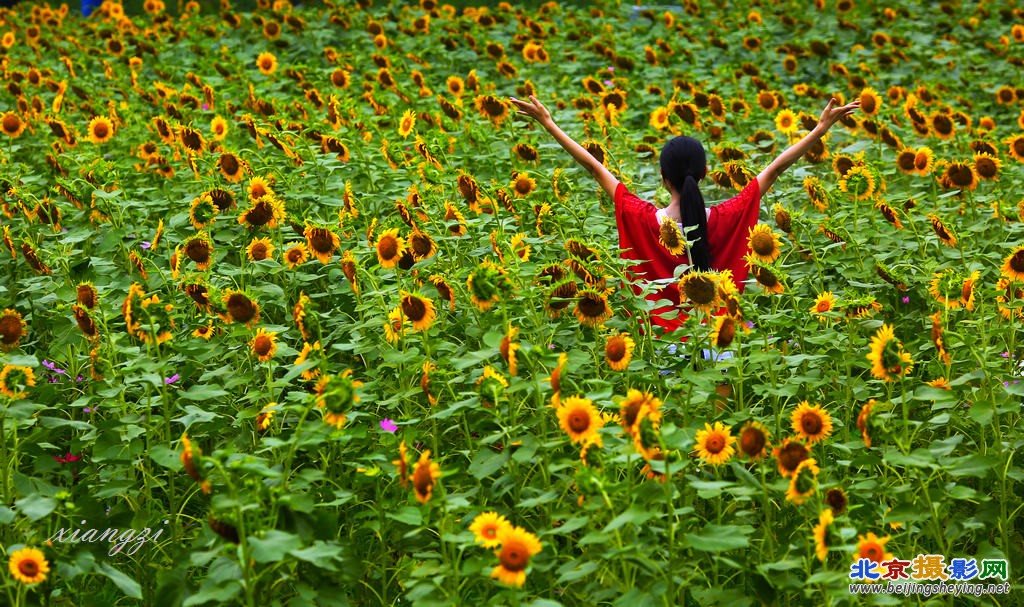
(729, 225)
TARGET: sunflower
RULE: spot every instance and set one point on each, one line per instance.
(1013, 265)
(456, 85)
(1015, 147)
(812, 424)
(803, 482)
(592, 308)
(671, 237)
(402, 465)
(336, 394)
(700, 289)
(924, 160)
(85, 295)
(395, 326)
(487, 283)
(786, 122)
(821, 546)
(266, 62)
(204, 332)
(753, 440)
(199, 250)
(15, 380)
(824, 303)
(390, 247)
(263, 344)
(763, 243)
(486, 528)
(872, 547)
(418, 309)
(579, 419)
(259, 249)
(714, 443)
(946, 235)
(517, 546)
(890, 214)
(12, 124)
(508, 348)
(492, 108)
(267, 211)
(202, 211)
(191, 456)
(85, 322)
(322, 242)
(860, 181)
(520, 247)
(618, 351)
(767, 100)
(870, 102)
(101, 129)
(406, 124)
(28, 566)
(522, 185)
(789, 455)
(987, 166)
(766, 276)
(1010, 292)
(219, 128)
(905, 161)
(240, 308)
(635, 407)
(12, 329)
(424, 475)
(942, 125)
(304, 354)
(659, 118)
(816, 193)
(959, 175)
(723, 331)
(887, 356)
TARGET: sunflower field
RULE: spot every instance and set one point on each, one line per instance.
(296, 310)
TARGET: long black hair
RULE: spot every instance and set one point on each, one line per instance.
(683, 164)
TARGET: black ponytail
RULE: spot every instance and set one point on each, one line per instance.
(695, 221)
(683, 164)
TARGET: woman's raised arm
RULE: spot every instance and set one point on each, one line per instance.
(536, 110)
(829, 116)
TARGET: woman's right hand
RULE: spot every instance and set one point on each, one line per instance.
(831, 114)
(534, 109)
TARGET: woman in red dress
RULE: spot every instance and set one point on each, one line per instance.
(718, 234)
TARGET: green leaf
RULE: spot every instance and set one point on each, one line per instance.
(320, 554)
(273, 546)
(35, 506)
(635, 514)
(972, 465)
(719, 538)
(487, 462)
(201, 393)
(126, 584)
(410, 515)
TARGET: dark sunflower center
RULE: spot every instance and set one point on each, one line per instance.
(906, 161)
(514, 557)
(1017, 261)
(591, 307)
(321, 241)
(198, 294)
(714, 444)
(700, 290)
(616, 349)
(295, 255)
(752, 441)
(420, 245)
(28, 568)
(763, 244)
(873, 552)
(229, 164)
(422, 480)
(414, 308)
(726, 333)
(961, 174)
(791, 455)
(86, 297)
(943, 124)
(811, 423)
(387, 248)
(241, 308)
(262, 345)
(766, 277)
(11, 123)
(260, 214)
(198, 251)
(101, 130)
(259, 251)
(10, 329)
(579, 421)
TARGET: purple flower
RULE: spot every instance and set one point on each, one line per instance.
(87, 410)
(1004, 355)
(49, 365)
(607, 82)
(906, 299)
(172, 379)
(79, 378)
(611, 68)
(388, 425)
(145, 244)
(206, 107)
